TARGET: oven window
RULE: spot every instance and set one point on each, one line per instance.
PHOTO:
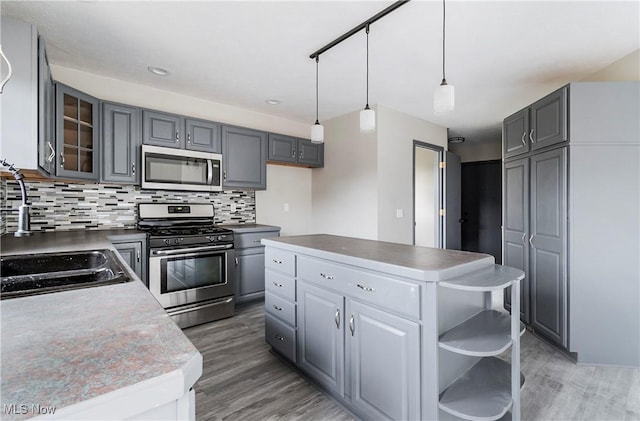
(182, 273)
(173, 169)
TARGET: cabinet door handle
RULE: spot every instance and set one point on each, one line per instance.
(53, 152)
(277, 308)
(524, 142)
(352, 325)
(301, 154)
(338, 318)
(138, 255)
(531, 136)
(6, 78)
(293, 154)
(278, 337)
(325, 276)
(61, 160)
(133, 168)
(366, 288)
(224, 175)
(177, 136)
(189, 137)
(531, 240)
(277, 262)
(524, 238)
(236, 261)
(277, 284)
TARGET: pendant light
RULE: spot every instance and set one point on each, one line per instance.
(367, 116)
(443, 97)
(317, 130)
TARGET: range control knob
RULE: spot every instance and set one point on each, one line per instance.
(211, 238)
(166, 241)
(220, 237)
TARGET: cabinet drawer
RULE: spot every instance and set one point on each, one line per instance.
(280, 336)
(281, 261)
(397, 296)
(280, 285)
(400, 297)
(252, 239)
(280, 308)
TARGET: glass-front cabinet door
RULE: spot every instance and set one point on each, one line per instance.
(77, 136)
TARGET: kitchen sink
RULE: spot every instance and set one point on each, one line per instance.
(33, 274)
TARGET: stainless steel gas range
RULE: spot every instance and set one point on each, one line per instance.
(191, 261)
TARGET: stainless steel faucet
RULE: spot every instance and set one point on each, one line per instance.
(24, 227)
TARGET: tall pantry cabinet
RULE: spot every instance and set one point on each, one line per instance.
(571, 195)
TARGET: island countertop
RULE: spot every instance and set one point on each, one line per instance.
(414, 262)
(89, 352)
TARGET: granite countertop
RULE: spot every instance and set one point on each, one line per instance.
(419, 263)
(74, 348)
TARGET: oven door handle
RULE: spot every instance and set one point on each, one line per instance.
(190, 250)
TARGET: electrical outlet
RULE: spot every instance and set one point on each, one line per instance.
(233, 206)
(286, 207)
(399, 213)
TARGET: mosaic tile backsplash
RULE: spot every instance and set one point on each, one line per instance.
(61, 206)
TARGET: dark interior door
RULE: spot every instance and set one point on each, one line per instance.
(482, 208)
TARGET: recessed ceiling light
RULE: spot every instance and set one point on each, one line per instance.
(273, 101)
(160, 71)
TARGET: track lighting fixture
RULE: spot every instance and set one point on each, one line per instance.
(367, 116)
(443, 97)
(317, 130)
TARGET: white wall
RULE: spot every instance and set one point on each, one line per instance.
(625, 69)
(396, 132)
(268, 203)
(345, 190)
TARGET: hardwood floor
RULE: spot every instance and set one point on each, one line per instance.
(243, 381)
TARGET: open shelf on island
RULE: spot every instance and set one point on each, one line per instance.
(490, 278)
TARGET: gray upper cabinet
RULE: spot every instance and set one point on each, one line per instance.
(542, 124)
(77, 134)
(514, 130)
(162, 129)
(293, 150)
(120, 143)
(549, 120)
(203, 136)
(46, 112)
(244, 158)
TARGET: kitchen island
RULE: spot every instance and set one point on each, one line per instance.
(395, 331)
(108, 352)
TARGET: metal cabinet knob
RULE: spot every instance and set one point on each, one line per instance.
(338, 318)
(277, 308)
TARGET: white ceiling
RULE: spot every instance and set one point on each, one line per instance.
(501, 56)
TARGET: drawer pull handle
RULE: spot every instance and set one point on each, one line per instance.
(352, 325)
(338, 318)
(369, 289)
(278, 337)
(277, 262)
(277, 284)
(277, 308)
(256, 241)
(326, 276)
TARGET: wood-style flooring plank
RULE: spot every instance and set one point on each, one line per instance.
(243, 381)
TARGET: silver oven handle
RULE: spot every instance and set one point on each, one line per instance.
(190, 250)
(209, 172)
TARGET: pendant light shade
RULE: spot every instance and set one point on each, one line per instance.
(317, 129)
(317, 133)
(443, 96)
(367, 116)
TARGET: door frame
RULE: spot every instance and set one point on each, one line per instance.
(439, 189)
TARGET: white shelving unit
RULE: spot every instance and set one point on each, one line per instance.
(491, 387)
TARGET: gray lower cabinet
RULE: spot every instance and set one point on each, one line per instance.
(383, 350)
(120, 143)
(134, 252)
(535, 238)
(321, 336)
(244, 161)
(544, 123)
(292, 150)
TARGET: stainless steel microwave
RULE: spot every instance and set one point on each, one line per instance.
(179, 169)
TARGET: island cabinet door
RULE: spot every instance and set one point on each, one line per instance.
(384, 358)
(321, 336)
